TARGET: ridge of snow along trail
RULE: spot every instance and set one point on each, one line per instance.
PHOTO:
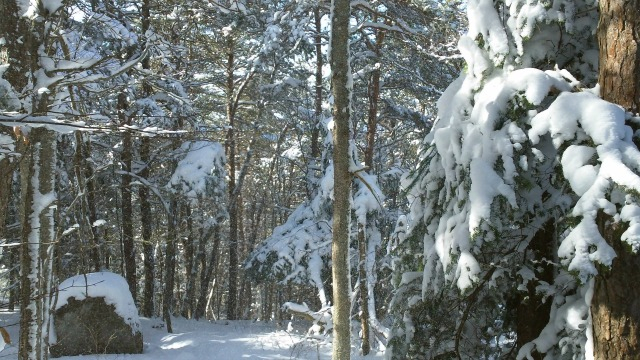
(200, 340)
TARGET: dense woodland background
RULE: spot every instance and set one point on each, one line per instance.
(188, 146)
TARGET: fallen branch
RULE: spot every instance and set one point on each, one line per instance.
(321, 319)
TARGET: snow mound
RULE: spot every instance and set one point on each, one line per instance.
(112, 287)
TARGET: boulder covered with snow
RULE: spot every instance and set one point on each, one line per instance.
(95, 314)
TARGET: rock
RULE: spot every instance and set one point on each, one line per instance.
(91, 326)
(87, 321)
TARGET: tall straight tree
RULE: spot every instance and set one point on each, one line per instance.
(233, 202)
(615, 306)
(365, 268)
(38, 196)
(341, 83)
(126, 158)
(7, 168)
(11, 53)
(143, 192)
(38, 148)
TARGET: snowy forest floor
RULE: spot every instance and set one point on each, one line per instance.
(200, 340)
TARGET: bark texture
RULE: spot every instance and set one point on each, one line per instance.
(13, 50)
(38, 195)
(365, 348)
(340, 76)
(7, 167)
(37, 169)
(615, 307)
(618, 39)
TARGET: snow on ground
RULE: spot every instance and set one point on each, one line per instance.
(203, 340)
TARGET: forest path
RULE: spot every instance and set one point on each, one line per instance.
(204, 340)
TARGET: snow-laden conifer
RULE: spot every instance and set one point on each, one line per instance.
(516, 176)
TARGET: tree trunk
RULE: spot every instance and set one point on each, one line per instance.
(315, 131)
(90, 184)
(191, 268)
(201, 268)
(14, 277)
(363, 237)
(364, 289)
(126, 158)
(619, 39)
(206, 275)
(240, 250)
(340, 81)
(615, 307)
(38, 195)
(146, 217)
(313, 163)
(148, 245)
(532, 315)
(233, 196)
(374, 97)
(170, 264)
(86, 224)
(13, 50)
(7, 167)
(37, 173)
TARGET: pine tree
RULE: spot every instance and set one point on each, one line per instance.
(614, 307)
(340, 81)
(497, 189)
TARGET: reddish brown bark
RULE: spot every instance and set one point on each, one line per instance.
(618, 38)
(615, 305)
